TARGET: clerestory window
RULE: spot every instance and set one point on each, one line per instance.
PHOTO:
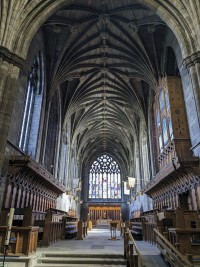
(163, 120)
(105, 179)
(32, 107)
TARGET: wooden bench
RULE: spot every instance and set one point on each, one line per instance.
(54, 227)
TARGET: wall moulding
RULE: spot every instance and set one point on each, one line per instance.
(192, 59)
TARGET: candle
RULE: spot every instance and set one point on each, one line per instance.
(9, 225)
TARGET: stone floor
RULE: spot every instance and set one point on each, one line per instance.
(97, 242)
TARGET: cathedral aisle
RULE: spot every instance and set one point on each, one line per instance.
(94, 250)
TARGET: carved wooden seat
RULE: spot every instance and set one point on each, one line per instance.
(186, 240)
(23, 240)
(184, 231)
(22, 217)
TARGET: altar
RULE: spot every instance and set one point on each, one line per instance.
(103, 221)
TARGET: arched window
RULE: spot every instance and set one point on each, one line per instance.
(52, 135)
(105, 179)
(165, 133)
(32, 107)
(163, 119)
(161, 99)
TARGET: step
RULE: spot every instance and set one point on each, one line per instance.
(79, 260)
(77, 265)
(65, 255)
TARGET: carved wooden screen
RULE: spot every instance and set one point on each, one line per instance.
(171, 123)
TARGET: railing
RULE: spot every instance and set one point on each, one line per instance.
(148, 232)
(131, 252)
(173, 256)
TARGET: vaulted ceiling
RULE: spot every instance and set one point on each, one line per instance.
(104, 57)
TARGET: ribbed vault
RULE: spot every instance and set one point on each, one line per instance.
(104, 57)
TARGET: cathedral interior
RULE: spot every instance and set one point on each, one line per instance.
(100, 107)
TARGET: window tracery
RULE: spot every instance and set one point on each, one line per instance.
(104, 179)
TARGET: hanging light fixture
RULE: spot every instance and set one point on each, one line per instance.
(131, 182)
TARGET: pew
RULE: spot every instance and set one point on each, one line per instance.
(182, 230)
(136, 228)
(71, 230)
(54, 228)
(24, 236)
(50, 225)
(149, 222)
(54, 225)
(185, 236)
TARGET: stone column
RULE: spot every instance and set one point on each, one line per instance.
(192, 64)
(84, 211)
(10, 65)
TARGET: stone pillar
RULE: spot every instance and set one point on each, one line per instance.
(125, 211)
(10, 65)
(198, 197)
(193, 199)
(192, 64)
(84, 212)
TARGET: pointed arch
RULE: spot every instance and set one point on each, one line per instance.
(105, 179)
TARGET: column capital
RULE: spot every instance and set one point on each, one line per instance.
(11, 58)
(192, 59)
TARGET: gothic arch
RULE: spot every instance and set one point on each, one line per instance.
(30, 16)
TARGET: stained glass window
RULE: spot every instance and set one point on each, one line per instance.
(158, 118)
(105, 179)
(161, 100)
(165, 134)
(32, 107)
(170, 129)
(167, 101)
(160, 143)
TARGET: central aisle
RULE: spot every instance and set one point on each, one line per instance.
(97, 243)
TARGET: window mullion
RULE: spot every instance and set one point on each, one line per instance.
(28, 119)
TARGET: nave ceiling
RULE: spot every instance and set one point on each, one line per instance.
(104, 58)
